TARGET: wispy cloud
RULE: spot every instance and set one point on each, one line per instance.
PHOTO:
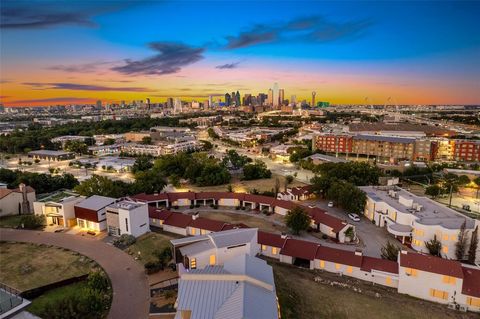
(171, 57)
(233, 65)
(315, 29)
(82, 87)
(55, 99)
(78, 68)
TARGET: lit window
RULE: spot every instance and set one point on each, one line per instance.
(212, 260)
(193, 263)
(349, 269)
(154, 220)
(445, 249)
(473, 301)
(438, 294)
(411, 272)
(274, 250)
(203, 231)
(445, 237)
(193, 231)
(388, 280)
(453, 237)
(322, 263)
(337, 266)
(264, 247)
(417, 242)
(449, 280)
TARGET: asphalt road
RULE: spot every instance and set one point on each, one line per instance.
(131, 296)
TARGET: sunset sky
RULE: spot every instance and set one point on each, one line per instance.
(59, 52)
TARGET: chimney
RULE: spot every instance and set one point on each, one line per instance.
(195, 216)
(404, 252)
(358, 252)
(284, 236)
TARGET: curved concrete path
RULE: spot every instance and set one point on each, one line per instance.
(131, 297)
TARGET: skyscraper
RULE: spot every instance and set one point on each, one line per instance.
(177, 106)
(270, 97)
(170, 103)
(210, 101)
(281, 96)
(275, 95)
(313, 98)
(237, 99)
(228, 99)
(293, 99)
(99, 104)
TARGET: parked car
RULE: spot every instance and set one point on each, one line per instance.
(330, 204)
(354, 217)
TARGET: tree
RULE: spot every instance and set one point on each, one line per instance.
(163, 256)
(256, 170)
(472, 251)
(101, 185)
(288, 180)
(76, 147)
(297, 220)
(212, 133)
(230, 188)
(390, 251)
(434, 246)
(460, 245)
(433, 190)
(147, 140)
(277, 186)
(141, 164)
(174, 180)
(477, 182)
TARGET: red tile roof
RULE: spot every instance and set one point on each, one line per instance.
(269, 239)
(260, 199)
(299, 249)
(181, 195)
(343, 257)
(5, 191)
(321, 217)
(431, 264)
(471, 282)
(178, 220)
(207, 224)
(304, 190)
(233, 226)
(369, 263)
(150, 197)
(157, 213)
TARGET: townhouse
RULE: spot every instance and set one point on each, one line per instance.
(333, 227)
(127, 217)
(296, 193)
(91, 212)
(58, 208)
(414, 219)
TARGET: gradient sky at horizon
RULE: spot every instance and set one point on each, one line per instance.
(58, 52)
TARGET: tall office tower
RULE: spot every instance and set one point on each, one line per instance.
(281, 96)
(177, 106)
(275, 95)
(247, 99)
(270, 97)
(170, 103)
(228, 99)
(210, 101)
(254, 100)
(293, 99)
(237, 98)
(99, 104)
(313, 98)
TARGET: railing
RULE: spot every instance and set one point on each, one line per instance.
(12, 300)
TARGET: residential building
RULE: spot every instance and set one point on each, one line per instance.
(242, 287)
(91, 212)
(415, 219)
(58, 208)
(142, 149)
(127, 217)
(467, 150)
(17, 201)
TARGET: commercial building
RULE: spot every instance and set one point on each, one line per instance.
(16, 201)
(414, 219)
(51, 155)
(127, 217)
(91, 212)
(58, 208)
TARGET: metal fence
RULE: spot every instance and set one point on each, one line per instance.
(9, 298)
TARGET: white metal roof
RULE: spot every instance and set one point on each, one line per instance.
(96, 202)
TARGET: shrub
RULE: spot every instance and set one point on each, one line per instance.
(324, 237)
(97, 280)
(197, 205)
(192, 206)
(32, 221)
(124, 241)
(211, 205)
(237, 208)
(215, 206)
(175, 207)
(152, 267)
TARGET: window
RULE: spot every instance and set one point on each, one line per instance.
(193, 231)
(449, 280)
(445, 237)
(473, 301)
(264, 247)
(453, 237)
(388, 280)
(337, 266)
(274, 250)
(203, 231)
(126, 224)
(322, 263)
(212, 260)
(411, 272)
(349, 269)
(417, 242)
(161, 222)
(154, 220)
(193, 263)
(445, 249)
(438, 294)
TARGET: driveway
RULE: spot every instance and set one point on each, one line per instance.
(131, 296)
(372, 237)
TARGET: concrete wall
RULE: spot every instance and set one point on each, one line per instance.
(175, 230)
(137, 220)
(268, 251)
(10, 203)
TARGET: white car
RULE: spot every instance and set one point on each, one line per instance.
(354, 217)
(330, 204)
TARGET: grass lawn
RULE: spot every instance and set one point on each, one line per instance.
(244, 186)
(252, 221)
(54, 295)
(301, 297)
(26, 266)
(148, 244)
(10, 221)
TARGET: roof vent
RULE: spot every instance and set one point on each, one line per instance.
(358, 253)
(195, 216)
(404, 252)
(283, 236)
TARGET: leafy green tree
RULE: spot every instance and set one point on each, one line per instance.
(76, 147)
(212, 134)
(101, 185)
(390, 251)
(236, 160)
(298, 153)
(141, 164)
(230, 188)
(297, 220)
(97, 280)
(32, 221)
(472, 251)
(174, 180)
(460, 245)
(433, 190)
(147, 140)
(434, 246)
(256, 170)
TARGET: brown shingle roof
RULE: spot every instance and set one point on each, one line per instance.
(431, 264)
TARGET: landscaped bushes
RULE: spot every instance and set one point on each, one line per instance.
(32, 221)
(124, 241)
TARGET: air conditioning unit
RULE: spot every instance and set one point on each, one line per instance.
(463, 308)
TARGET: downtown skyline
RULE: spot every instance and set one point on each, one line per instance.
(81, 52)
